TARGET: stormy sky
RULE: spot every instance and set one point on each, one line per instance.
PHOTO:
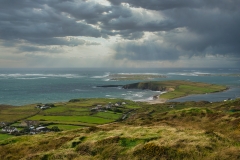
(119, 33)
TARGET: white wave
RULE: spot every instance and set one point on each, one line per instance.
(183, 74)
(103, 76)
(108, 95)
(189, 74)
(163, 92)
(33, 78)
(139, 73)
(199, 73)
(18, 75)
(79, 90)
(138, 95)
(144, 99)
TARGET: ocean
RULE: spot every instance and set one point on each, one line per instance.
(27, 86)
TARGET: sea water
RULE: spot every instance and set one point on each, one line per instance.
(28, 86)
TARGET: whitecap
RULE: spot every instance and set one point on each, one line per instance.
(37, 75)
(103, 76)
(26, 78)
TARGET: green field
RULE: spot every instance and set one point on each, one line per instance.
(11, 114)
(4, 136)
(182, 90)
(86, 119)
(109, 115)
(68, 115)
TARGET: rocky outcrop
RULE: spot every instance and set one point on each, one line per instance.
(145, 85)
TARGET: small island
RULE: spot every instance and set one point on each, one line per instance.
(124, 77)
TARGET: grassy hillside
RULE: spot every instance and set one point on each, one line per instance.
(190, 130)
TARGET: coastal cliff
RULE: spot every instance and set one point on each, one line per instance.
(154, 86)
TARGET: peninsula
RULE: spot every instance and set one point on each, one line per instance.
(177, 88)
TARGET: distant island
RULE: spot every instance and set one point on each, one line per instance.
(124, 77)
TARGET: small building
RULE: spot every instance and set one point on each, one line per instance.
(42, 129)
(108, 106)
(9, 129)
(3, 124)
(38, 106)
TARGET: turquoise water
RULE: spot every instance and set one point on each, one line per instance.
(27, 86)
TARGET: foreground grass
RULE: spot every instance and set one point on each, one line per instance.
(190, 130)
(65, 127)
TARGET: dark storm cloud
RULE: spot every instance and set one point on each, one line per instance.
(38, 21)
(171, 4)
(187, 27)
(198, 28)
(157, 4)
(48, 19)
(113, 20)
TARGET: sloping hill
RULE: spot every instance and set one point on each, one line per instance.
(190, 130)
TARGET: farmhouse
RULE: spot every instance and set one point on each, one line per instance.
(3, 124)
(108, 106)
(9, 129)
(42, 129)
(44, 106)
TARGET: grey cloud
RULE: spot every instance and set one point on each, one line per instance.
(91, 12)
(33, 49)
(28, 20)
(158, 5)
(61, 41)
(113, 20)
(211, 29)
(147, 50)
(171, 4)
(209, 26)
